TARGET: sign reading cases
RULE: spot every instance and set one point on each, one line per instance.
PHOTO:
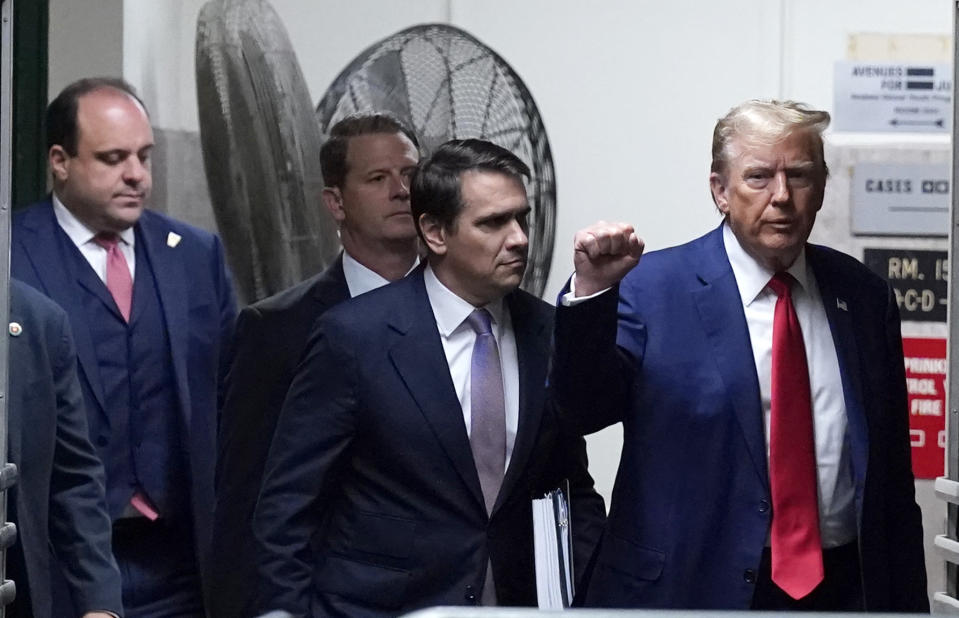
(901, 199)
(892, 97)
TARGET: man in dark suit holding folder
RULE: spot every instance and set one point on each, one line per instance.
(415, 431)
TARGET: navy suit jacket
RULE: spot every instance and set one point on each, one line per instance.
(199, 309)
(271, 336)
(60, 511)
(690, 508)
(372, 463)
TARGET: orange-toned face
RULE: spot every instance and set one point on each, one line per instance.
(770, 195)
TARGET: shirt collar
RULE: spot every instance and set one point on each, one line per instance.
(450, 310)
(751, 276)
(78, 232)
(360, 279)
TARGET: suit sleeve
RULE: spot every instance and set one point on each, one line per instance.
(904, 519)
(247, 421)
(316, 426)
(588, 510)
(227, 306)
(80, 528)
(590, 377)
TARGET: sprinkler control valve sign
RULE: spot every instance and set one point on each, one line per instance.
(926, 386)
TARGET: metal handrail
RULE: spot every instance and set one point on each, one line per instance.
(7, 471)
(947, 488)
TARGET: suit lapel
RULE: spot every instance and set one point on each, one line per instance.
(720, 311)
(171, 279)
(418, 357)
(842, 325)
(532, 350)
(42, 244)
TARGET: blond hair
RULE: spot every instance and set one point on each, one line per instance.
(768, 121)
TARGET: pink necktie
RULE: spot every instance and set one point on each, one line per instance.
(120, 284)
(142, 503)
(119, 281)
(796, 548)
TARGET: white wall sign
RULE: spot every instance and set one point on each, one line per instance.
(900, 200)
(893, 97)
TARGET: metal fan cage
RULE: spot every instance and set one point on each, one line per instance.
(260, 148)
(448, 85)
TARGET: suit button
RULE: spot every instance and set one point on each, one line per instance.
(750, 576)
(763, 506)
(470, 594)
(102, 441)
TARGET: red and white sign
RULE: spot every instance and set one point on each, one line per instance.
(926, 384)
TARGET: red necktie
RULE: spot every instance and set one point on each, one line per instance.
(796, 546)
(119, 281)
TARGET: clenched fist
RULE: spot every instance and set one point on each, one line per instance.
(602, 254)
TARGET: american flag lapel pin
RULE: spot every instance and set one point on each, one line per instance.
(841, 304)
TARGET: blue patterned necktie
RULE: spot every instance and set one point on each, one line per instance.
(487, 408)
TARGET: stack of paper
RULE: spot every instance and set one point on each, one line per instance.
(552, 543)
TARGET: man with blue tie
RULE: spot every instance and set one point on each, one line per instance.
(415, 430)
(151, 308)
(760, 383)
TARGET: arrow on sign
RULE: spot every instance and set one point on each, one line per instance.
(917, 123)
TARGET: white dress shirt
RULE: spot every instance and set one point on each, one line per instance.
(458, 337)
(82, 237)
(837, 512)
(360, 279)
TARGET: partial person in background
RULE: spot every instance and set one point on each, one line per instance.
(761, 387)
(415, 431)
(58, 503)
(152, 309)
(366, 162)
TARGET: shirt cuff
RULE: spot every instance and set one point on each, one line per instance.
(570, 299)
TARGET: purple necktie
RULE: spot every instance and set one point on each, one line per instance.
(119, 281)
(487, 408)
(487, 423)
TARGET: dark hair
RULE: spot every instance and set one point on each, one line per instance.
(334, 149)
(435, 188)
(61, 119)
